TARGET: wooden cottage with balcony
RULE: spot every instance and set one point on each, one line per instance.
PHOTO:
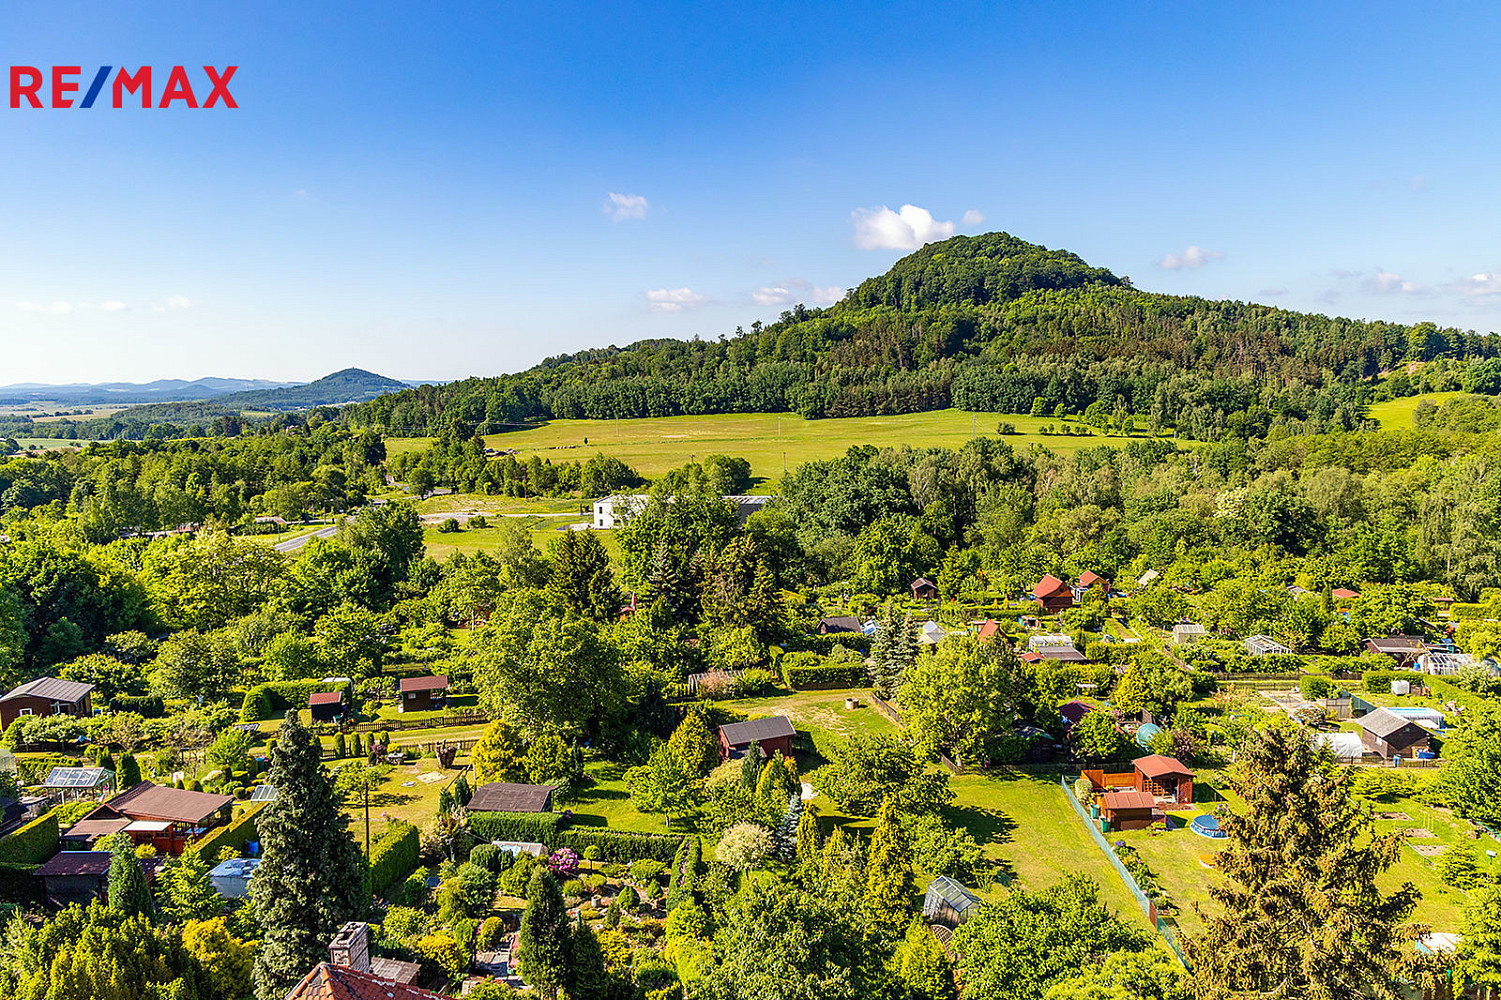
(47, 696)
(166, 818)
(1053, 594)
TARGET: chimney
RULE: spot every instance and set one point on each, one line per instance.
(351, 947)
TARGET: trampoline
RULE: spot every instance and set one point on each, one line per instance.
(1207, 826)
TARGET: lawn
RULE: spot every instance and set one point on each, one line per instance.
(1396, 414)
(410, 792)
(771, 442)
(442, 545)
(463, 703)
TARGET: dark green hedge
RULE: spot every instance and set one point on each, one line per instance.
(393, 857)
(824, 644)
(236, 834)
(831, 675)
(1380, 681)
(33, 843)
(529, 828)
(151, 706)
(264, 700)
(620, 847)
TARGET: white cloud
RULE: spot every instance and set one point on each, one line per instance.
(974, 217)
(112, 305)
(1192, 257)
(1387, 283)
(671, 300)
(621, 207)
(795, 290)
(178, 302)
(55, 308)
(1271, 293)
(908, 229)
(1485, 283)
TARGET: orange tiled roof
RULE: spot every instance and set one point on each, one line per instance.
(337, 982)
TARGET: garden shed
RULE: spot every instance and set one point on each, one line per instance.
(1386, 733)
(1188, 632)
(1404, 649)
(772, 734)
(947, 903)
(74, 877)
(423, 694)
(326, 706)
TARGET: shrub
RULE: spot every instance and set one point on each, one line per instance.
(491, 932)
(628, 899)
(264, 700)
(564, 862)
(575, 888)
(743, 846)
(754, 682)
(646, 869)
(414, 889)
(486, 857)
(1315, 686)
(148, 706)
(1380, 681)
(236, 834)
(805, 670)
(591, 853)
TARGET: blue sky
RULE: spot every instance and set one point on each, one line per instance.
(442, 190)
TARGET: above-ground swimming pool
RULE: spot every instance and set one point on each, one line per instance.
(1207, 826)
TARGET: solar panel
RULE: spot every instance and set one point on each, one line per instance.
(263, 793)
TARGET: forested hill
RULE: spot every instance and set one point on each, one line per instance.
(981, 322)
(345, 386)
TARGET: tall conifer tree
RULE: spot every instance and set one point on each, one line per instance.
(1300, 916)
(309, 881)
(544, 944)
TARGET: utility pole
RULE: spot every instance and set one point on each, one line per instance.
(367, 818)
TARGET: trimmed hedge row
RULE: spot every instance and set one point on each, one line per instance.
(619, 846)
(529, 828)
(824, 644)
(264, 700)
(393, 857)
(1380, 681)
(33, 843)
(235, 834)
(824, 675)
(150, 706)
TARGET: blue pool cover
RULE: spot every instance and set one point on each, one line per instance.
(1207, 826)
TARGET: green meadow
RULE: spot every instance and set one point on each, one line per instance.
(772, 443)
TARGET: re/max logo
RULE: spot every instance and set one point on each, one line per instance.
(26, 84)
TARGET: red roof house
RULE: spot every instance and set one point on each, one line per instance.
(1165, 778)
(1344, 594)
(1053, 594)
(1128, 810)
(423, 694)
(326, 706)
(924, 589)
(1089, 578)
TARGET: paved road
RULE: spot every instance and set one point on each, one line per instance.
(293, 544)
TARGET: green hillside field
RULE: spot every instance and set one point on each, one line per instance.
(772, 443)
(1396, 414)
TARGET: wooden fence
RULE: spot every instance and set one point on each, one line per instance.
(436, 722)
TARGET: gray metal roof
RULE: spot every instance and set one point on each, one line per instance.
(740, 733)
(51, 688)
(1386, 724)
(953, 893)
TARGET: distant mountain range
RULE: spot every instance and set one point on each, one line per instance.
(166, 390)
(349, 385)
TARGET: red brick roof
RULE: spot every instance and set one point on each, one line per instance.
(1343, 593)
(1089, 578)
(337, 982)
(1158, 766)
(431, 683)
(1129, 800)
(326, 698)
(989, 629)
(1049, 586)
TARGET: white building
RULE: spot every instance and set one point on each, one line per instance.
(615, 510)
(1188, 632)
(1444, 664)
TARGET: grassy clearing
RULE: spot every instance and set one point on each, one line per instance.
(771, 442)
(441, 546)
(1396, 414)
(410, 792)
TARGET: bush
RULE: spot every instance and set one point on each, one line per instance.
(148, 706)
(591, 853)
(1315, 686)
(754, 683)
(393, 856)
(449, 526)
(414, 889)
(575, 888)
(798, 674)
(646, 869)
(487, 857)
(33, 843)
(491, 933)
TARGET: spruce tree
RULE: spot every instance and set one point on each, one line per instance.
(130, 771)
(889, 880)
(187, 890)
(750, 766)
(587, 978)
(543, 946)
(128, 893)
(1300, 915)
(309, 881)
(892, 651)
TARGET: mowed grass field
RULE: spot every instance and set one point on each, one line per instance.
(771, 442)
(1396, 414)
